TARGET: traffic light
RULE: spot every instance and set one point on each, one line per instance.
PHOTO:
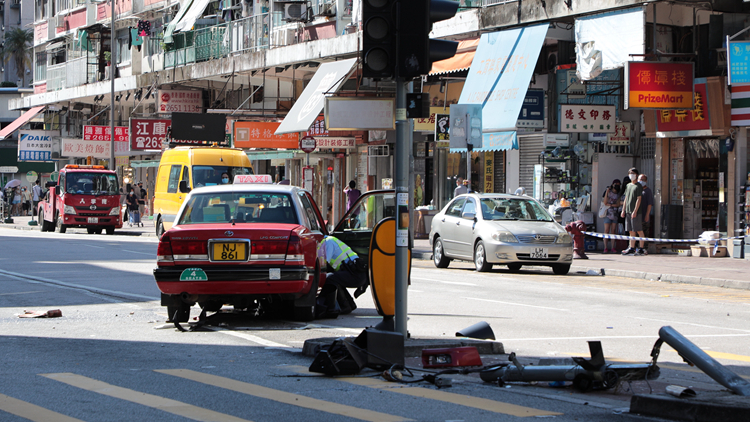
(416, 51)
(379, 38)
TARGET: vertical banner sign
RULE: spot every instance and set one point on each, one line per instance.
(489, 172)
(442, 127)
(402, 231)
(658, 85)
(148, 134)
(739, 62)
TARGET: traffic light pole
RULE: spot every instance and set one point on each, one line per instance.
(403, 143)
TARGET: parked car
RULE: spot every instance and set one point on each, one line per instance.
(491, 229)
(253, 246)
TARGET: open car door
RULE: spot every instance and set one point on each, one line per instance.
(355, 229)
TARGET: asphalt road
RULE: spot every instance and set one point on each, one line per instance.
(111, 357)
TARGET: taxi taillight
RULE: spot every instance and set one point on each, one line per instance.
(191, 247)
(294, 253)
(164, 250)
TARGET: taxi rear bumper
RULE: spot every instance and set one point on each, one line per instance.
(221, 281)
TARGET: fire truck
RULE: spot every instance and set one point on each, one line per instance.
(84, 196)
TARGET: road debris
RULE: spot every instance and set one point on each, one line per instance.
(54, 313)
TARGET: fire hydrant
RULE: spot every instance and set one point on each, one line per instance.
(576, 229)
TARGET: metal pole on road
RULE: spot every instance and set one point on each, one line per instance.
(403, 143)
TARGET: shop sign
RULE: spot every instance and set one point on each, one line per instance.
(489, 172)
(552, 140)
(180, 101)
(532, 110)
(31, 176)
(332, 142)
(37, 145)
(102, 133)
(587, 118)
(442, 127)
(148, 134)
(78, 148)
(739, 62)
(677, 123)
(622, 134)
(427, 124)
(261, 135)
(658, 85)
(122, 161)
(317, 128)
(357, 113)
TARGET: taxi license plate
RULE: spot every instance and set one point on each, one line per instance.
(229, 251)
(538, 253)
(93, 219)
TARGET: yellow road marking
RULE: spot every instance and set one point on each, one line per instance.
(729, 356)
(282, 396)
(32, 412)
(167, 405)
(444, 396)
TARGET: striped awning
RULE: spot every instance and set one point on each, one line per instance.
(741, 105)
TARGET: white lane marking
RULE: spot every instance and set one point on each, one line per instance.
(444, 282)
(35, 279)
(250, 337)
(142, 253)
(694, 325)
(516, 304)
(20, 293)
(617, 337)
(92, 246)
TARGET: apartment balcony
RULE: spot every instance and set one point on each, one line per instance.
(74, 72)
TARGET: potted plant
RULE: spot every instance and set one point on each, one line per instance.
(108, 57)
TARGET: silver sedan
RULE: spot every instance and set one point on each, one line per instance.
(499, 229)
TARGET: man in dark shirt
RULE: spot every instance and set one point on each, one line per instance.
(632, 211)
(647, 202)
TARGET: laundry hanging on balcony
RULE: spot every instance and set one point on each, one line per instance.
(134, 39)
(144, 28)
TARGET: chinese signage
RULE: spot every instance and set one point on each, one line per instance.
(102, 133)
(148, 134)
(621, 135)
(317, 128)
(587, 118)
(428, 124)
(332, 142)
(181, 101)
(261, 135)
(442, 127)
(36, 145)
(658, 85)
(739, 62)
(74, 147)
(688, 122)
(489, 172)
(532, 110)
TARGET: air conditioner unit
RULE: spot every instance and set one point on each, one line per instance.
(60, 22)
(295, 12)
(283, 36)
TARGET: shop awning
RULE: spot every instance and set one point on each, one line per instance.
(25, 117)
(144, 163)
(498, 79)
(327, 79)
(189, 12)
(272, 155)
(461, 61)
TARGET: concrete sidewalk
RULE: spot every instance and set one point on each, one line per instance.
(148, 229)
(719, 272)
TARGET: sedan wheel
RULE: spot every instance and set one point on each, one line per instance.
(560, 269)
(438, 256)
(159, 228)
(480, 258)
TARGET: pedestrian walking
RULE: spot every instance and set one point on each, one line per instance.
(36, 196)
(16, 211)
(352, 194)
(647, 203)
(26, 198)
(611, 198)
(133, 212)
(142, 194)
(461, 187)
(632, 212)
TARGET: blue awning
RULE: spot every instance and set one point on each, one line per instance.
(498, 79)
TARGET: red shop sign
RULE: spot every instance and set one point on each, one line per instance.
(148, 134)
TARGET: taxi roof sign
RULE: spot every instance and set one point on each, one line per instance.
(246, 179)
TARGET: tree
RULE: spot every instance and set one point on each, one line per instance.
(17, 46)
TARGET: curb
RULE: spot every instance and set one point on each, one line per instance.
(720, 407)
(414, 347)
(77, 230)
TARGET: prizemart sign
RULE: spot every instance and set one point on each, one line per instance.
(659, 85)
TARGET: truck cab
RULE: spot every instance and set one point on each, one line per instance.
(84, 196)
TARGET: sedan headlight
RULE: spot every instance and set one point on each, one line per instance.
(564, 238)
(115, 211)
(504, 236)
(69, 210)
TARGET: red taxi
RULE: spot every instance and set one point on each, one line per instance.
(254, 246)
